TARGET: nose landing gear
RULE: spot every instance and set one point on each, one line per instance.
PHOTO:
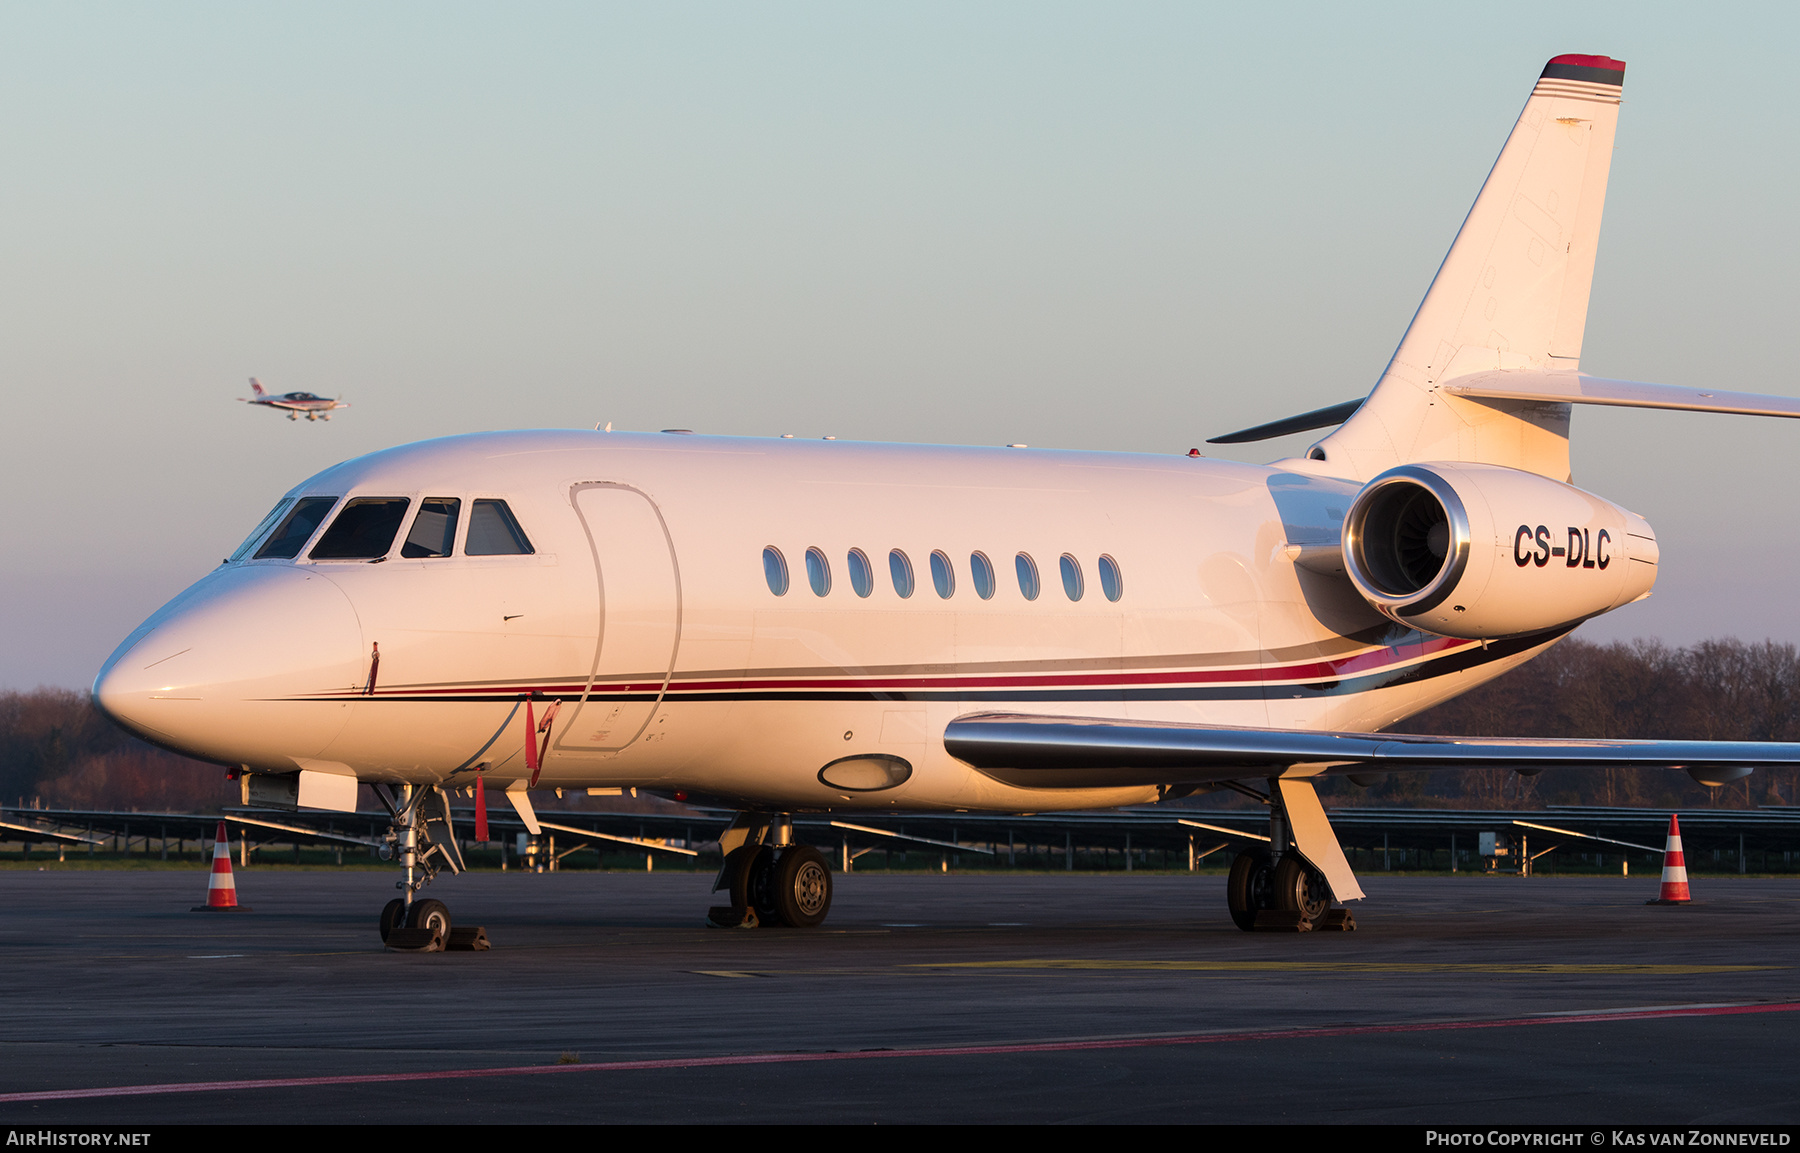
(410, 923)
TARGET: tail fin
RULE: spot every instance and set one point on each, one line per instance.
(256, 385)
(1512, 294)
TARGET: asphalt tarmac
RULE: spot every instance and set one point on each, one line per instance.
(924, 998)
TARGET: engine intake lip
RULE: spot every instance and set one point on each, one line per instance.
(1382, 562)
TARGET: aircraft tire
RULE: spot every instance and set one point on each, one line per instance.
(430, 914)
(1247, 887)
(799, 887)
(1299, 888)
(391, 915)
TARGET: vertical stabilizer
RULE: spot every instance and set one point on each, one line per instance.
(1512, 294)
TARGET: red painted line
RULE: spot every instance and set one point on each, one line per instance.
(1365, 662)
(883, 1054)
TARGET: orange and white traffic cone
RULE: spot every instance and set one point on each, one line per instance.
(1674, 878)
(221, 886)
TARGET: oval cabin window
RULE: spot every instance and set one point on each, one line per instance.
(818, 572)
(775, 571)
(862, 574)
(900, 568)
(1112, 582)
(943, 576)
(1028, 576)
(981, 571)
(1071, 577)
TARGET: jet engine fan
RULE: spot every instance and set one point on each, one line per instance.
(1480, 551)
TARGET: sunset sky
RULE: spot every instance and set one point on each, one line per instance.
(1110, 226)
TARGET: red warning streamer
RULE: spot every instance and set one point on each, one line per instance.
(535, 746)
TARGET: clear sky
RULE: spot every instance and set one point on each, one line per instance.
(1109, 226)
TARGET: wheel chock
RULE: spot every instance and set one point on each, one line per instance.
(1282, 921)
(1336, 920)
(731, 917)
(467, 939)
(424, 940)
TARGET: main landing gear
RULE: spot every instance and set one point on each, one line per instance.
(1275, 888)
(423, 838)
(770, 879)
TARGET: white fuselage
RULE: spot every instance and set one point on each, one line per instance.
(645, 609)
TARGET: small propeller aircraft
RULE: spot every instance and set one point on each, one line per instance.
(785, 626)
(295, 404)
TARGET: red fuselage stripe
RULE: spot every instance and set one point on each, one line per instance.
(1355, 665)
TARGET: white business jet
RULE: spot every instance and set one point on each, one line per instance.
(793, 626)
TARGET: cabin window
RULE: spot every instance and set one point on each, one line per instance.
(943, 576)
(1071, 577)
(862, 574)
(818, 572)
(433, 531)
(901, 570)
(262, 526)
(494, 532)
(1112, 583)
(775, 571)
(1028, 576)
(364, 530)
(981, 571)
(297, 528)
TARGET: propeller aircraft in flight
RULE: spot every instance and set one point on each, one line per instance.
(295, 404)
(787, 626)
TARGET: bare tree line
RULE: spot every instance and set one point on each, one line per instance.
(58, 750)
(1715, 690)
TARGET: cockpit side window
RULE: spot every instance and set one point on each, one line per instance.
(262, 526)
(296, 528)
(494, 532)
(434, 529)
(364, 530)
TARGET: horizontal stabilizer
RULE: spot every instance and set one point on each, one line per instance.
(1580, 388)
(1082, 752)
(1307, 421)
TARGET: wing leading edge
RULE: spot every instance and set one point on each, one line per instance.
(1083, 752)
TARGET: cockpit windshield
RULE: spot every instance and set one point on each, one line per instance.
(296, 528)
(434, 529)
(262, 526)
(494, 532)
(364, 530)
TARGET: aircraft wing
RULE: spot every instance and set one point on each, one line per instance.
(1083, 752)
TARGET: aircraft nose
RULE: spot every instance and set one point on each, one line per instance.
(253, 664)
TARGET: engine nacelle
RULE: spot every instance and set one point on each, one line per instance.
(1479, 551)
